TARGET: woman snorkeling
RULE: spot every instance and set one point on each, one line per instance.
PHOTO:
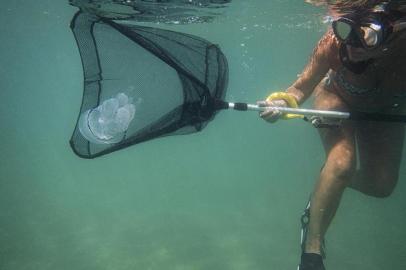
(358, 65)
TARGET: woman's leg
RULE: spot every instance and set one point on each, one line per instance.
(335, 176)
(380, 151)
(380, 148)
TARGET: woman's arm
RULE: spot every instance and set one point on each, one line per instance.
(318, 66)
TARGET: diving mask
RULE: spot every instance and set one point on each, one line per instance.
(369, 30)
(367, 35)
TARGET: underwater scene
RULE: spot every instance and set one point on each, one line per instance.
(225, 191)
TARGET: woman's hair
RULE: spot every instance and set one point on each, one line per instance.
(346, 6)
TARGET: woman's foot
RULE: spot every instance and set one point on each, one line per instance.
(311, 261)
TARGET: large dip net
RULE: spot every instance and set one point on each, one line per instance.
(141, 83)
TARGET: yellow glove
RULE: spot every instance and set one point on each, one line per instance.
(290, 100)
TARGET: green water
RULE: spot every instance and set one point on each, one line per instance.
(228, 198)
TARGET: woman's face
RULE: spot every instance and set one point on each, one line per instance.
(359, 54)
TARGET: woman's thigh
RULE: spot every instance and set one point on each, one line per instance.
(338, 142)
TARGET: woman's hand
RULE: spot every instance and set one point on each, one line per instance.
(271, 115)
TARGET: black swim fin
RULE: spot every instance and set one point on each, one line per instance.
(311, 261)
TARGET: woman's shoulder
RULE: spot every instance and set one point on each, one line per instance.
(328, 46)
(328, 39)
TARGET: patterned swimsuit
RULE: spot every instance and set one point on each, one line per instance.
(339, 79)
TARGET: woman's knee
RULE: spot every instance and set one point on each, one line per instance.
(382, 192)
(341, 168)
(383, 183)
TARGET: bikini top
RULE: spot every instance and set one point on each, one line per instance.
(341, 82)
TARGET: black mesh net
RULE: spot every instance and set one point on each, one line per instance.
(142, 83)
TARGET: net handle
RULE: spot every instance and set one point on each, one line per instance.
(354, 115)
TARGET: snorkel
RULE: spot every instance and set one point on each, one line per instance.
(368, 30)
